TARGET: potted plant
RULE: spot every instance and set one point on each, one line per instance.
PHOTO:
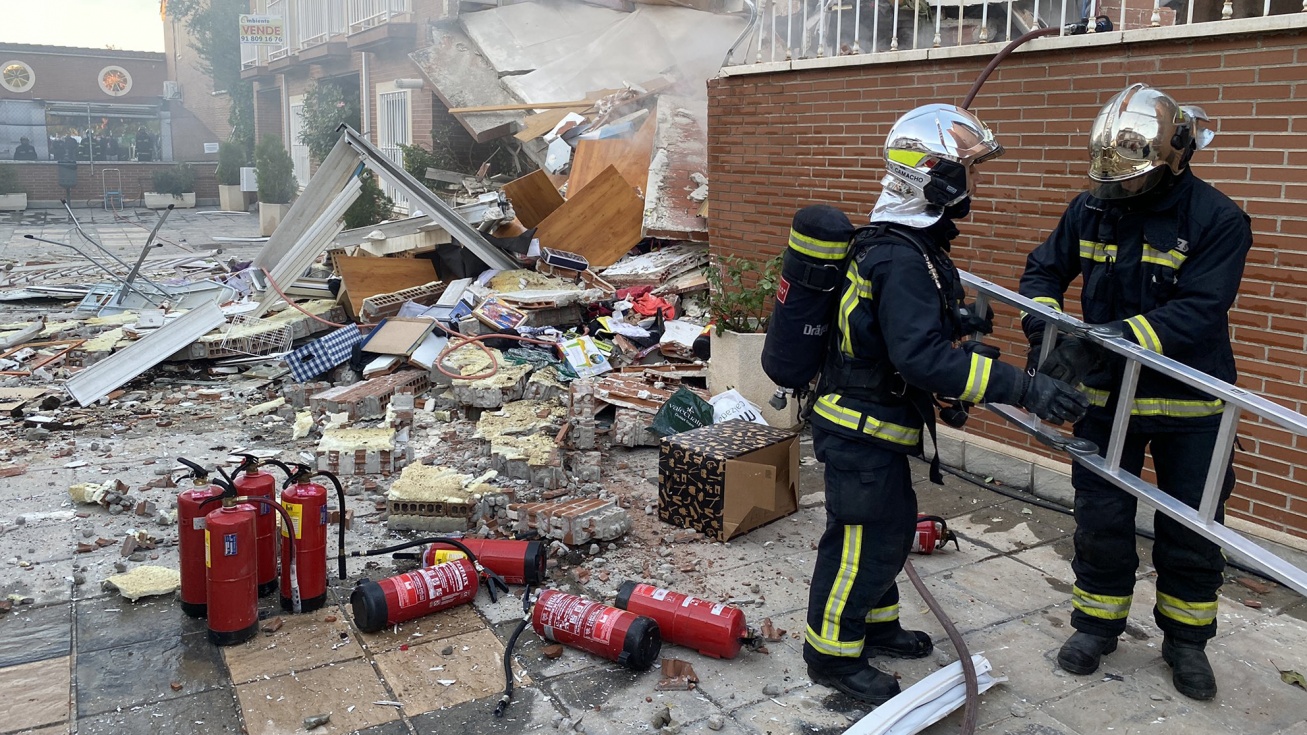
(230, 159)
(276, 177)
(173, 185)
(740, 296)
(12, 198)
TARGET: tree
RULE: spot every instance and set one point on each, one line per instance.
(214, 26)
(326, 106)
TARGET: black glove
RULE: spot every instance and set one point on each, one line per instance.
(1073, 359)
(1052, 400)
(972, 322)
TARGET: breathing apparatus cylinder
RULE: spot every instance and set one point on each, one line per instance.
(812, 273)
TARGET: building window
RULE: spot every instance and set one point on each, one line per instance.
(115, 81)
(16, 76)
(394, 125)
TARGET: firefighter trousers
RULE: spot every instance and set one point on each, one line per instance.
(871, 514)
(1188, 566)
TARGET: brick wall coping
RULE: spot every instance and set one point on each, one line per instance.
(1291, 21)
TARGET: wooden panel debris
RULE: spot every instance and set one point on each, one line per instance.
(630, 155)
(362, 277)
(601, 222)
(534, 198)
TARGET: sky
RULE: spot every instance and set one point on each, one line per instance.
(129, 25)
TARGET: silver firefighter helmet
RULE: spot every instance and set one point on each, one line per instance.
(1139, 137)
(931, 150)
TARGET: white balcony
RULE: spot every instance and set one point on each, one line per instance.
(364, 14)
(318, 21)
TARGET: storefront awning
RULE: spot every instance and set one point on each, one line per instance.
(101, 109)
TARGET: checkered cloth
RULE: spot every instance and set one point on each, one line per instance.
(323, 354)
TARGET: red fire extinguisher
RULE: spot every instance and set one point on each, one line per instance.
(517, 562)
(231, 561)
(711, 628)
(408, 596)
(617, 635)
(305, 502)
(252, 482)
(932, 533)
(190, 539)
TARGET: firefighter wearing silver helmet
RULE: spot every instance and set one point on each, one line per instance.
(896, 345)
(1161, 255)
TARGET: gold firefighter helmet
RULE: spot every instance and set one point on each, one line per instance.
(1139, 136)
(931, 150)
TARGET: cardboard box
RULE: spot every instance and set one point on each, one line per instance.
(729, 478)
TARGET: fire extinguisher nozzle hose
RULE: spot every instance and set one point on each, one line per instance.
(508, 655)
(285, 517)
(340, 498)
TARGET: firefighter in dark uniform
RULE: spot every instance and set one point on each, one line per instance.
(894, 347)
(1161, 253)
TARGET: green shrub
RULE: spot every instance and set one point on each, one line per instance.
(176, 180)
(326, 107)
(275, 171)
(9, 181)
(372, 206)
(740, 293)
(230, 159)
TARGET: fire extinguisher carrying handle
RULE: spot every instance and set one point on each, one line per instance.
(197, 472)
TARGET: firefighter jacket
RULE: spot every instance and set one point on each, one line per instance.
(894, 342)
(1164, 274)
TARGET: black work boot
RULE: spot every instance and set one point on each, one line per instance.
(869, 685)
(1082, 652)
(1190, 672)
(899, 643)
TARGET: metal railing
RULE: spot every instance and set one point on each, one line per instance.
(785, 30)
(1202, 520)
(282, 8)
(253, 55)
(364, 14)
(318, 20)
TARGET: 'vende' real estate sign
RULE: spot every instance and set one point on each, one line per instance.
(267, 30)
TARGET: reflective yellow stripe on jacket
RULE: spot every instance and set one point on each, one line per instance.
(1106, 607)
(829, 408)
(1197, 614)
(977, 378)
(1097, 251)
(1171, 259)
(1048, 301)
(1145, 335)
(827, 640)
(1175, 407)
(821, 249)
(858, 288)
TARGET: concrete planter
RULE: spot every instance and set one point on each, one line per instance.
(155, 200)
(270, 215)
(737, 363)
(13, 202)
(231, 198)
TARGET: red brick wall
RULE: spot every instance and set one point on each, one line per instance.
(781, 141)
(41, 181)
(201, 116)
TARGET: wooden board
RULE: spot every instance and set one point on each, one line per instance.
(534, 198)
(398, 336)
(362, 277)
(630, 155)
(539, 124)
(601, 222)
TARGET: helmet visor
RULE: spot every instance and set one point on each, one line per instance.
(1127, 188)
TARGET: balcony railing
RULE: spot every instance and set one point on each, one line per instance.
(318, 20)
(253, 55)
(364, 14)
(282, 8)
(786, 30)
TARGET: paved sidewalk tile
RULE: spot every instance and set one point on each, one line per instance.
(435, 627)
(35, 694)
(425, 679)
(143, 673)
(528, 712)
(109, 622)
(35, 634)
(212, 712)
(303, 642)
(349, 691)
